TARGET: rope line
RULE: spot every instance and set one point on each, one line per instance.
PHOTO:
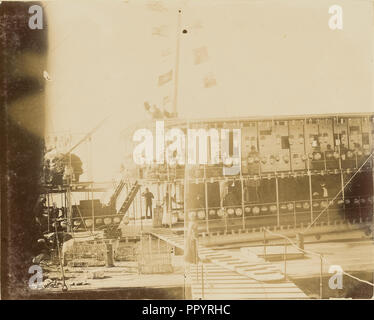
(333, 199)
(319, 255)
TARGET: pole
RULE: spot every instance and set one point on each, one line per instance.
(265, 242)
(202, 280)
(277, 199)
(92, 209)
(140, 207)
(285, 259)
(242, 187)
(168, 188)
(91, 178)
(310, 192)
(150, 247)
(320, 277)
(133, 210)
(343, 196)
(185, 196)
(176, 69)
(64, 286)
(48, 209)
(206, 201)
(68, 198)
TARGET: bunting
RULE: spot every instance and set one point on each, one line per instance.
(209, 81)
(200, 55)
(165, 78)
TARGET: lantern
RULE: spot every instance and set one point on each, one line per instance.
(256, 210)
(107, 221)
(201, 214)
(212, 212)
(238, 211)
(273, 208)
(88, 222)
(230, 211)
(192, 215)
(220, 213)
(118, 219)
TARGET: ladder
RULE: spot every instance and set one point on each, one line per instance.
(116, 193)
(130, 198)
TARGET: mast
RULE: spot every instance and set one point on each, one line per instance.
(176, 73)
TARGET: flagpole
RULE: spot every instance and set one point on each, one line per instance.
(176, 73)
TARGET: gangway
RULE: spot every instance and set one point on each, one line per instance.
(122, 209)
(227, 272)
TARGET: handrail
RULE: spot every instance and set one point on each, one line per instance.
(292, 243)
(321, 256)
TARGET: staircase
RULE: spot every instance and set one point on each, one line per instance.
(129, 199)
(232, 275)
(117, 191)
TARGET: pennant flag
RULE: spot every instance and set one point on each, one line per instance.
(166, 100)
(201, 55)
(161, 31)
(165, 78)
(156, 6)
(166, 52)
(209, 81)
(197, 25)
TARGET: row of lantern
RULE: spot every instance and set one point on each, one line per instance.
(286, 158)
(265, 209)
(88, 222)
(312, 156)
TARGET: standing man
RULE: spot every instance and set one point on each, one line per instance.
(148, 202)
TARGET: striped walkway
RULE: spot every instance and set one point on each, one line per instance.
(221, 284)
(229, 275)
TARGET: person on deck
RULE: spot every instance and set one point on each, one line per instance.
(148, 202)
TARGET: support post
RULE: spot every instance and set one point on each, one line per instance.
(265, 242)
(242, 187)
(277, 199)
(285, 259)
(310, 192)
(176, 71)
(320, 278)
(48, 210)
(109, 255)
(92, 209)
(343, 195)
(202, 280)
(206, 202)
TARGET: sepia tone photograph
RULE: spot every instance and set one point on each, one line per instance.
(187, 150)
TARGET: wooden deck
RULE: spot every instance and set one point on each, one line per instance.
(222, 284)
(229, 275)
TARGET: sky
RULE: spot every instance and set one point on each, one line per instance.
(257, 58)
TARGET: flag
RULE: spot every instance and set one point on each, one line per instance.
(209, 81)
(166, 52)
(165, 78)
(201, 55)
(156, 6)
(166, 100)
(197, 25)
(160, 31)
